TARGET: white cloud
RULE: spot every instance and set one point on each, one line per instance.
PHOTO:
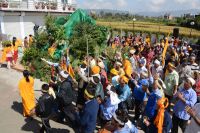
(121, 3)
(156, 5)
(157, 2)
(195, 4)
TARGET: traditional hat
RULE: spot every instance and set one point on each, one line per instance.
(132, 51)
(101, 65)
(144, 82)
(95, 70)
(118, 63)
(88, 94)
(64, 74)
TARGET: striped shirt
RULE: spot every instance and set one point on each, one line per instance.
(194, 68)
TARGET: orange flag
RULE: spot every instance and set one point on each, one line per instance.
(71, 71)
(162, 105)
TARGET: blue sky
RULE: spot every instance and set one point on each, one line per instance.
(140, 5)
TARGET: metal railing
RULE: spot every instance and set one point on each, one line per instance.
(36, 5)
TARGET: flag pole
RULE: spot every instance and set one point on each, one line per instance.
(87, 59)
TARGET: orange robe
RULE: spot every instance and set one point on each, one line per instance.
(27, 93)
(128, 68)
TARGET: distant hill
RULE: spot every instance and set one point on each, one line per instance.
(177, 13)
(174, 13)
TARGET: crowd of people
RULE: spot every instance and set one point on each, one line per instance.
(13, 52)
(152, 87)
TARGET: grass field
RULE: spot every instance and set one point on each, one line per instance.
(149, 27)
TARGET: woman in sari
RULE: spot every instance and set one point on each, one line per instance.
(27, 93)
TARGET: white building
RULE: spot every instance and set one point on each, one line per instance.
(18, 17)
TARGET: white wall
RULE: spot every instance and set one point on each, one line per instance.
(12, 26)
(29, 23)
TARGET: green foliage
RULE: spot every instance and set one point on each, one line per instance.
(32, 59)
(55, 32)
(96, 36)
(4, 43)
(39, 49)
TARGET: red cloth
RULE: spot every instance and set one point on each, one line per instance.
(197, 89)
(9, 59)
(104, 74)
(15, 56)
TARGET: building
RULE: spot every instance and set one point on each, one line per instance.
(189, 16)
(19, 17)
(168, 16)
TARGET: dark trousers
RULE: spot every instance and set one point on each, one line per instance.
(67, 113)
(137, 109)
(45, 126)
(177, 122)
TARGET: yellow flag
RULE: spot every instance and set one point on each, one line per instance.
(165, 50)
(51, 51)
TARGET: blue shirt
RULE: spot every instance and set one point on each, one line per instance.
(190, 97)
(88, 116)
(123, 93)
(150, 108)
(139, 94)
(107, 109)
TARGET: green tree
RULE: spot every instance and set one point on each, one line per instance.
(96, 36)
(39, 49)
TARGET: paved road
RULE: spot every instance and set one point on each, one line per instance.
(11, 119)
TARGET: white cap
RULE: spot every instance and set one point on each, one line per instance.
(118, 63)
(157, 62)
(191, 80)
(64, 74)
(132, 51)
(101, 65)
